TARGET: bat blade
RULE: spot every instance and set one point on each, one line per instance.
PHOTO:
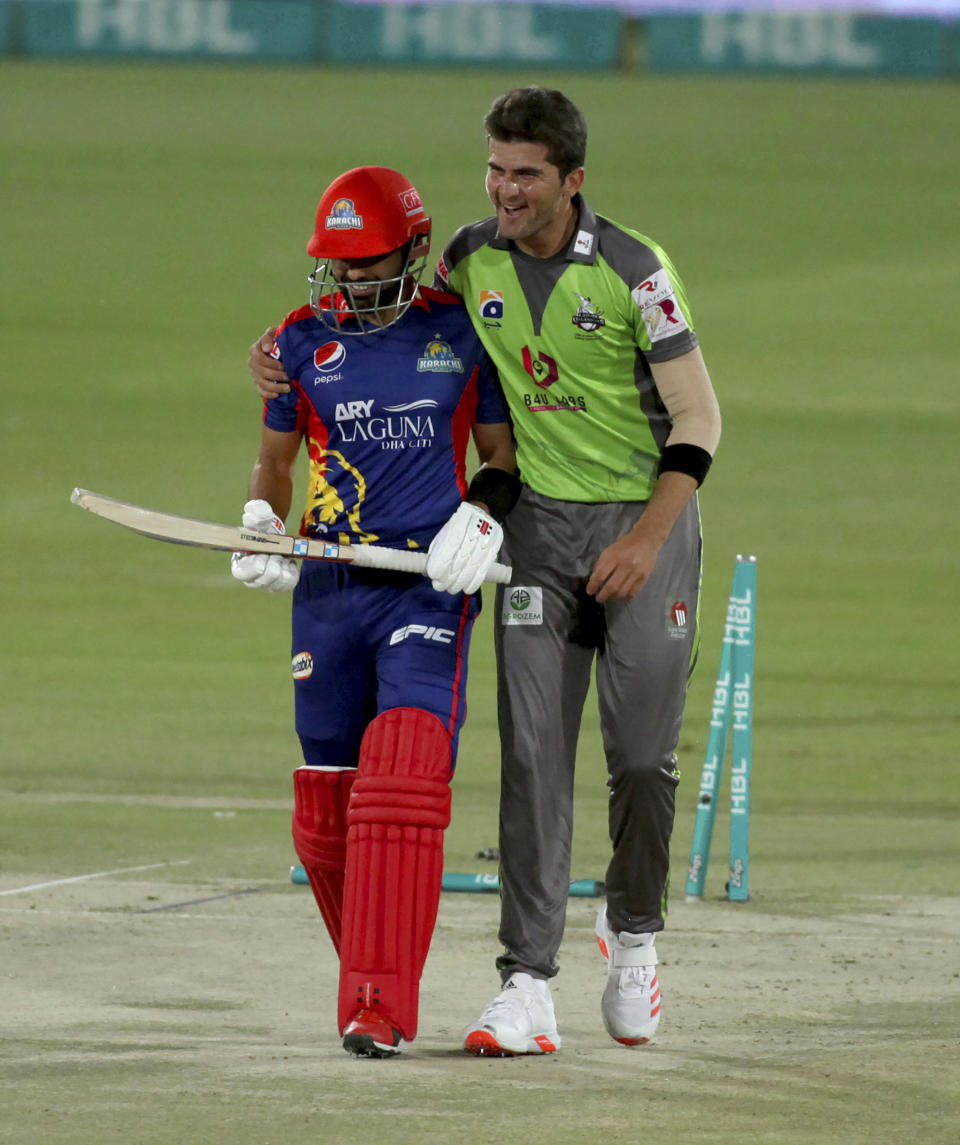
(182, 530)
(191, 531)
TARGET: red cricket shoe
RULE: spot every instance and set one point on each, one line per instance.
(369, 1035)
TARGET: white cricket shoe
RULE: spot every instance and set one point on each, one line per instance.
(519, 1020)
(631, 1001)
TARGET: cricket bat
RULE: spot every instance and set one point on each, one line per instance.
(231, 538)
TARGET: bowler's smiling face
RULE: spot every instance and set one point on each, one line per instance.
(530, 197)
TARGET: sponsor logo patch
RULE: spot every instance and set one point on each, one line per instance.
(401, 426)
(302, 666)
(347, 411)
(523, 604)
(425, 632)
(491, 307)
(412, 204)
(542, 368)
(329, 357)
(559, 403)
(343, 217)
(658, 304)
(677, 620)
(583, 243)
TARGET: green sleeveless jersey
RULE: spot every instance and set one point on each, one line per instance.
(573, 337)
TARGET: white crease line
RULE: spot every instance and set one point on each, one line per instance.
(97, 875)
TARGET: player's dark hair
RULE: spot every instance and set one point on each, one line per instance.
(540, 115)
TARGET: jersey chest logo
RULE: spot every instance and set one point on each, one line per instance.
(328, 359)
(588, 317)
(545, 371)
(490, 308)
(403, 425)
(438, 357)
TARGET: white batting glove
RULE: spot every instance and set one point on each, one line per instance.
(463, 551)
(269, 571)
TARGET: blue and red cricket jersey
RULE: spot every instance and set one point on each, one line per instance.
(386, 417)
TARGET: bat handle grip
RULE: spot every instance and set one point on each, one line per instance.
(400, 560)
(499, 574)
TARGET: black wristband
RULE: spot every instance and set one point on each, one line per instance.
(683, 458)
(497, 489)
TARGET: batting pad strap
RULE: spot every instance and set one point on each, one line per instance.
(634, 956)
(406, 801)
(319, 816)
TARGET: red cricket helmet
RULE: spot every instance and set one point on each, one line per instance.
(366, 212)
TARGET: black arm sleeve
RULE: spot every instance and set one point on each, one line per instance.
(497, 489)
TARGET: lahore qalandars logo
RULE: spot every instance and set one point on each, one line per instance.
(588, 317)
(343, 217)
(439, 358)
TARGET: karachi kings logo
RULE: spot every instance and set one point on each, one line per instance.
(588, 317)
(439, 358)
(343, 217)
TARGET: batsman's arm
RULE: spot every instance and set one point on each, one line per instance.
(272, 477)
(496, 451)
(267, 372)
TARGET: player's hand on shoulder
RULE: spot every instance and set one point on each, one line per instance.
(267, 370)
(461, 554)
(269, 571)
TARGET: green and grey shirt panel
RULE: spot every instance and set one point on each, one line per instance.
(573, 337)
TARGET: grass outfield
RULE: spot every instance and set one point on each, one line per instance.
(154, 221)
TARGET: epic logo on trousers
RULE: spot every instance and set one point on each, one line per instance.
(426, 632)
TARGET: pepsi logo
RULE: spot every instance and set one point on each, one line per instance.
(330, 356)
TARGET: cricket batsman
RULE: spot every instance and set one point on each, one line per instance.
(388, 382)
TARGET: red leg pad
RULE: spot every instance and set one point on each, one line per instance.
(398, 812)
(320, 837)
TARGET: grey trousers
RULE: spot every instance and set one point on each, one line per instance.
(642, 668)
